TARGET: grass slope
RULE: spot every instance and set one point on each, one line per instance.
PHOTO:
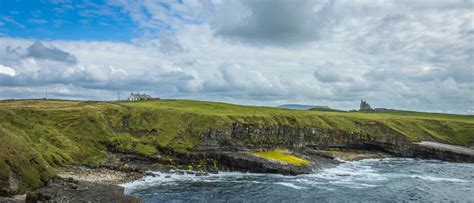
(40, 135)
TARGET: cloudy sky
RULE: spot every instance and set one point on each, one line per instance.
(404, 54)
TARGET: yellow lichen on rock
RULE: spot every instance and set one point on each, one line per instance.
(282, 155)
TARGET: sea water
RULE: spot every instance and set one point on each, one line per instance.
(390, 179)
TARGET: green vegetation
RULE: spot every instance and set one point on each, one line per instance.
(40, 135)
(416, 126)
(282, 155)
(325, 109)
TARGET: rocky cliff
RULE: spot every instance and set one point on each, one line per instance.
(40, 136)
(377, 137)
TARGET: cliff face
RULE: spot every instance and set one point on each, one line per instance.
(248, 136)
(372, 137)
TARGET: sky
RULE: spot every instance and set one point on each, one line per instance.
(403, 54)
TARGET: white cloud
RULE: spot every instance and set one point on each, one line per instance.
(397, 54)
(37, 21)
(7, 70)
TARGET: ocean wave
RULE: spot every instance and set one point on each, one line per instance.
(291, 185)
(355, 170)
(438, 179)
(171, 178)
(404, 179)
(366, 173)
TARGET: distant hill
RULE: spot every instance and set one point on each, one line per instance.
(301, 106)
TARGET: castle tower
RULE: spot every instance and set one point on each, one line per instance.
(364, 106)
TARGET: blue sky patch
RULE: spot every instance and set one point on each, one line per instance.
(86, 20)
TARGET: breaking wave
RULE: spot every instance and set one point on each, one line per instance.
(363, 180)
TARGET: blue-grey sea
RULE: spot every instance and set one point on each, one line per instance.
(387, 180)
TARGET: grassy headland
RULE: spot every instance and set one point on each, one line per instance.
(40, 135)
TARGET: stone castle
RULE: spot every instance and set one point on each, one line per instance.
(364, 106)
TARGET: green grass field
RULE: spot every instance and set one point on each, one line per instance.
(218, 108)
(40, 135)
(417, 126)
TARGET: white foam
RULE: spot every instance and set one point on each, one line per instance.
(350, 171)
(438, 179)
(161, 178)
(353, 184)
(352, 174)
(291, 185)
(308, 181)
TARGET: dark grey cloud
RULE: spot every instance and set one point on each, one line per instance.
(39, 51)
(329, 75)
(275, 22)
(408, 74)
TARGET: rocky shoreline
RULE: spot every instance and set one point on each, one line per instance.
(82, 184)
(99, 175)
(100, 183)
(71, 190)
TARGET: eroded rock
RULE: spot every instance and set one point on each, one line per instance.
(70, 190)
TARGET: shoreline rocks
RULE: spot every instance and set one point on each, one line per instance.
(440, 151)
(351, 155)
(100, 183)
(99, 175)
(71, 190)
(82, 184)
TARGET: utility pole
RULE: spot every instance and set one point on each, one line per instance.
(46, 94)
(118, 95)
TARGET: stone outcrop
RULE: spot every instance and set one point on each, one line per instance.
(70, 190)
(243, 161)
(10, 183)
(444, 152)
